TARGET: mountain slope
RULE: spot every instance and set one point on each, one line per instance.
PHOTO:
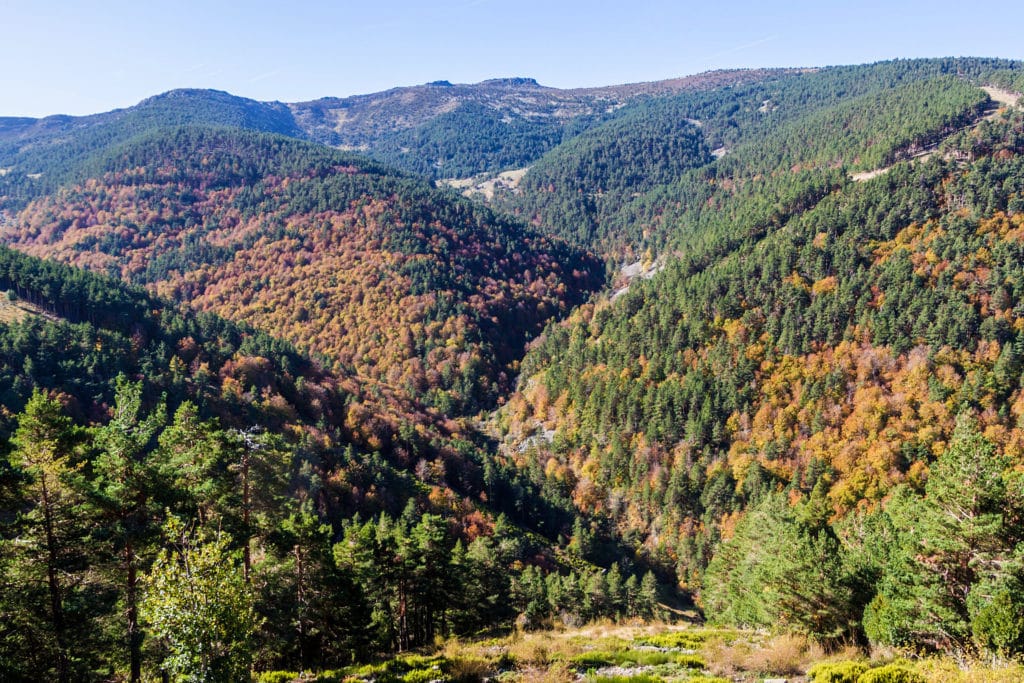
(499, 124)
(821, 345)
(380, 274)
(595, 191)
(40, 155)
(123, 416)
(453, 130)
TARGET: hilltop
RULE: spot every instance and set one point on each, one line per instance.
(410, 128)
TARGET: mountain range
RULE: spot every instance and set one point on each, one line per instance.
(662, 328)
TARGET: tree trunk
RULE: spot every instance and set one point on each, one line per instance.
(132, 612)
(300, 611)
(403, 619)
(246, 515)
(53, 583)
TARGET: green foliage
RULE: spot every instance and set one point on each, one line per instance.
(956, 566)
(837, 672)
(778, 573)
(683, 640)
(593, 660)
(997, 617)
(581, 182)
(200, 608)
(472, 139)
(891, 673)
(47, 594)
(636, 678)
(421, 676)
(630, 657)
(277, 676)
(586, 190)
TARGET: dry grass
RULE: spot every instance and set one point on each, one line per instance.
(781, 655)
(10, 312)
(559, 672)
(471, 669)
(549, 656)
(947, 671)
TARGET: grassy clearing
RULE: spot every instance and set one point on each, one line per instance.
(647, 654)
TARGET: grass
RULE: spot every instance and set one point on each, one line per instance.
(607, 653)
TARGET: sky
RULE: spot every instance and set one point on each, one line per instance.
(75, 57)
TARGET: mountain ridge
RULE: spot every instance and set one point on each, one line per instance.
(808, 371)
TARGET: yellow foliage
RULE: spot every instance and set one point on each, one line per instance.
(825, 285)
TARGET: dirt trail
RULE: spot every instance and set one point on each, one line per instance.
(997, 95)
(1002, 96)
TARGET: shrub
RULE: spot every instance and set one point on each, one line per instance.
(593, 660)
(277, 676)
(891, 673)
(691, 662)
(331, 676)
(469, 670)
(641, 658)
(423, 676)
(837, 672)
(684, 640)
(998, 624)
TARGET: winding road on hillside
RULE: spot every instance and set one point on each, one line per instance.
(1004, 98)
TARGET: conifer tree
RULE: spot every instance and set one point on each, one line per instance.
(125, 488)
(50, 543)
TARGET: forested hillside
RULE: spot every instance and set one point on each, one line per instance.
(438, 129)
(325, 517)
(378, 273)
(358, 413)
(446, 130)
(622, 185)
(40, 155)
(832, 363)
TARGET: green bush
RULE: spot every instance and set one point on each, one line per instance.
(647, 658)
(891, 673)
(331, 676)
(277, 676)
(639, 678)
(423, 676)
(684, 640)
(691, 661)
(594, 660)
(998, 624)
(837, 672)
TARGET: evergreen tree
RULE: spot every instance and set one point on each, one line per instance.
(125, 489)
(52, 531)
(959, 554)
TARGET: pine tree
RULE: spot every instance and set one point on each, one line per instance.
(959, 551)
(52, 534)
(124, 487)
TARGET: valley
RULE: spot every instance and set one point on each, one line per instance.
(506, 382)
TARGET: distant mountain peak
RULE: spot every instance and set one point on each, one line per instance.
(512, 82)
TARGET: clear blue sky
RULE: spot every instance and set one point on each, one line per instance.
(85, 57)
